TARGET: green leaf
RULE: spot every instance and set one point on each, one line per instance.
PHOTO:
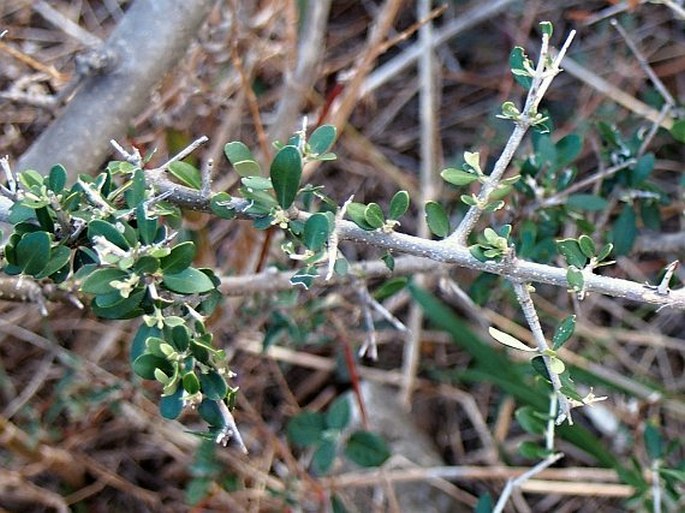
(145, 365)
(516, 59)
(186, 173)
(210, 412)
(305, 429)
(30, 179)
(373, 215)
(146, 265)
(139, 342)
(213, 385)
(530, 420)
(654, 442)
(198, 489)
(678, 131)
(355, 212)
(113, 306)
(60, 257)
(180, 336)
(135, 194)
(539, 366)
(257, 183)
(563, 332)
(568, 149)
(338, 414)
(171, 406)
(323, 457)
(508, 340)
(624, 231)
(484, 504)
(180, 258)
(547, 28)
(469, 199)
(570, 250)
(367, 449)
(57, 178)
(241, 159)
(587, 247)
(33, 252)
(588, 202)
(146, 226)
(304, 277)
(437, 220)
(478, 253)
(285, 173)
(556, 366)
(575, 278)
(390, 287)
(399, 204)
(220, 205)
(188, 281)
(98, 282)
(389, 261)
(337, 505)
(458, 177)
(322, 139)
(532, 450)
(605, 251)
(98, 227)
(643, 168)
(316, 231)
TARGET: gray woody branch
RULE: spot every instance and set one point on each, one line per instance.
(146, 44)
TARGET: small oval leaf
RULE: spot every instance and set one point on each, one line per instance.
(508, 340)
(458, 177)
(316, 231)
(241, 159)
(367, 449)
(437, 220)
(373, 215)
(322, 139)
(305, 429)
(186, 173)
(188, 281)
(180, 258)
(399, 204)
(33, 252)
(563, 331)
(286, 172)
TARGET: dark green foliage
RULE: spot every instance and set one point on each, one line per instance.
(367, 449)
(186, 174)
(241, 159)
(285, 173)
(437, 220)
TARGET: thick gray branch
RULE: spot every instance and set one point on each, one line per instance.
(150, 40)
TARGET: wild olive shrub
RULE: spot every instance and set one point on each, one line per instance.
(110, 240)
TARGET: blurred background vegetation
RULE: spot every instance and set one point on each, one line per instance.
(79, 432)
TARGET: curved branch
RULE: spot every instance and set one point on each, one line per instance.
(147, 43)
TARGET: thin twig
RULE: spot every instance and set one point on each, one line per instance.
(656, 486)
(230, 428)
(369, 347)
(642, 61)
(528, 307)
(615, 94)
(558, 198)
(541, 80)
(427, 190)
(515, 483)
(185, 151)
